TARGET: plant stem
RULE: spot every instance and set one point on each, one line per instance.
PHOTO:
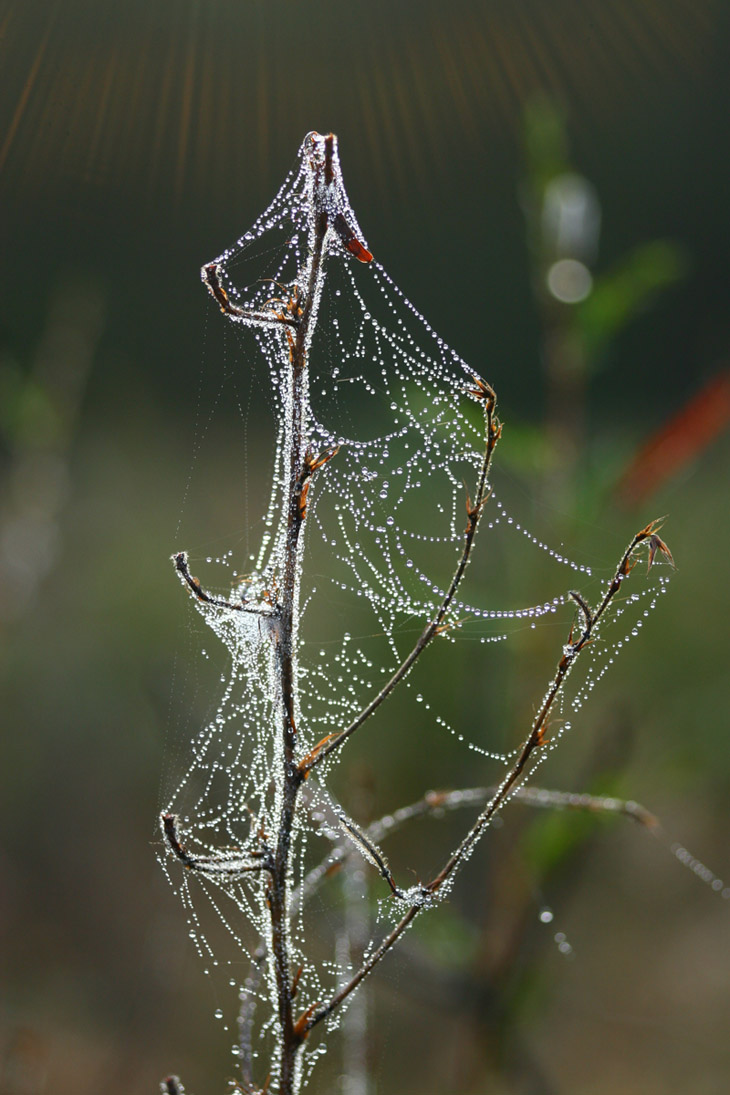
(534, 741)
(295, 456)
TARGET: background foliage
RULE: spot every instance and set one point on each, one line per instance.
(137, 140)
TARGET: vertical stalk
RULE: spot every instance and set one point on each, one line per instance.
(295, 459)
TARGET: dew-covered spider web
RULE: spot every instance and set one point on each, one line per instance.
(394, 422)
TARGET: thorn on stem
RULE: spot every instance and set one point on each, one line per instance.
(474, 511)
(300, 1027)
(312, 464)
(306, 762)
(443, 629)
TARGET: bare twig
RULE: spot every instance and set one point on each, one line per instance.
(370, 852)
(210, 275)
(536, 738)
(299, 472)
(424, 895)
(223, 866)
(180, 559)
(436, 803)
(592, 804)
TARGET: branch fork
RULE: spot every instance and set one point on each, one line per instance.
(227, 865)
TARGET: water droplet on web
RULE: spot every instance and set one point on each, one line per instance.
(563, 945)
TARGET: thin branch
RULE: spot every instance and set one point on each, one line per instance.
(370, 852)
(181, 566)
(592, 804)
(224, 866)
(493, 431)
(536, 738)
(300, 469)
(210, 276)
(298, 316)
(425, 895)
(436, 802)
(366, 968)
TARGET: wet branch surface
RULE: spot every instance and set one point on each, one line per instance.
(290, 1034)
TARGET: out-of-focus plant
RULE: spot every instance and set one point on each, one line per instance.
(582, 311)
(39, 408)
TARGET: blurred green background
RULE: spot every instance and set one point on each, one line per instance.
(549, 183)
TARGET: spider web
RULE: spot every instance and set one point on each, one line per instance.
(384, 530)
